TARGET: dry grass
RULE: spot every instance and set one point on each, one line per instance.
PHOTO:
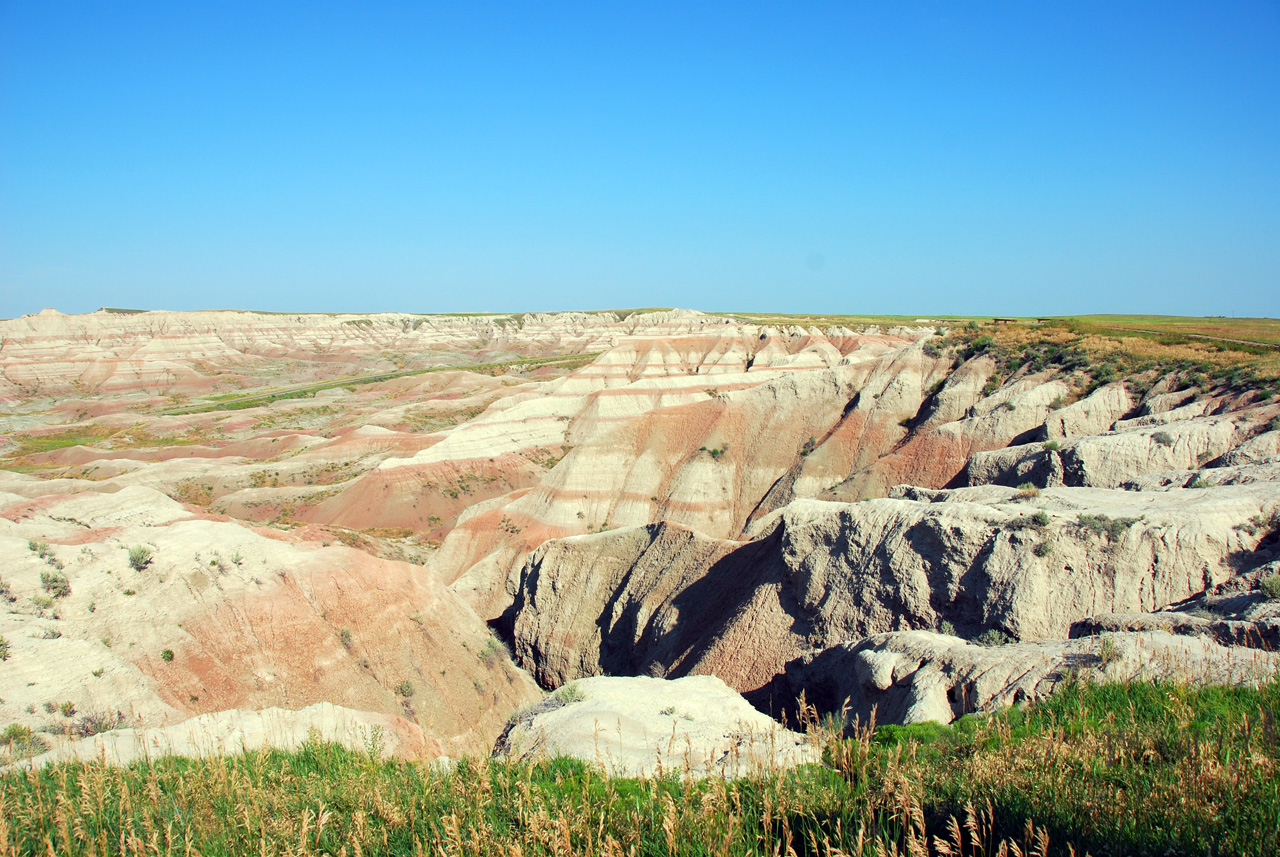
(1089, 358)
(1142, 350)
(1253, 329)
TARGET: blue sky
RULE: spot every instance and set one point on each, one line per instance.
(905, 157)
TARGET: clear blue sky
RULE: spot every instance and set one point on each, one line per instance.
(889, 157)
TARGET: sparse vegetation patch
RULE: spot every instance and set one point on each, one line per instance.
(55, 583)
(139, 557)
(994, 637)
(1112, 528)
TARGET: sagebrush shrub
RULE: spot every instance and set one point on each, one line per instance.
(139, 557)
(55, 583)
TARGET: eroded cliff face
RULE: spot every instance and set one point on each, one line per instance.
(665, 600)
(658, 494)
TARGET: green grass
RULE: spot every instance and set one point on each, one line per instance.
(1115, 769)
(36, 443)
(1123, 769)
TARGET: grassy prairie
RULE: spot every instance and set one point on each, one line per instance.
(1109, 770)
(1262, 330)
(1102, 356)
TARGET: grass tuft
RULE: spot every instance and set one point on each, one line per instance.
(570, 693)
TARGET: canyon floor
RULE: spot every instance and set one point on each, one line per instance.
(227, 530)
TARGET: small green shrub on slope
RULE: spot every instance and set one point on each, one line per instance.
(139, 557)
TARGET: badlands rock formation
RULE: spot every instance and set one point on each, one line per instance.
(664, 600)
(345, 509)
(1234, 613)
(166, 353)
(633, 727)
(917, 676)
(228, 617)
